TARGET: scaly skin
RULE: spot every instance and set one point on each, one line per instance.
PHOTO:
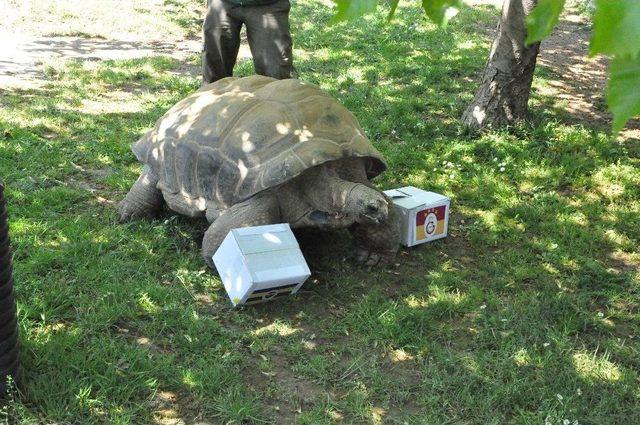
(143, 200)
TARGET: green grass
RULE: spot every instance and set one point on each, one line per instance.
(526, 313)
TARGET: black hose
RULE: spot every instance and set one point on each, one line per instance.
(9, 350)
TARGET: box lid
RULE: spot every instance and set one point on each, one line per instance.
(410, 197)
(280, 266)
(273, 237)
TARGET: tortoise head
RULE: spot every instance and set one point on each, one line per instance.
(366, 205)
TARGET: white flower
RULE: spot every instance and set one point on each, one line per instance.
(502, 169)
(566, 422)
(546, 344)
(483, 306)
(579, 391)
(600, 314)
(559, 396)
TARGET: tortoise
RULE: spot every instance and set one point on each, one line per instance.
(255, 150)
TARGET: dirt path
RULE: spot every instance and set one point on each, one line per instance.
(580, 82)
(22, 56)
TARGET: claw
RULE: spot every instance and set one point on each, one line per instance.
(370, 258)
(126, 213)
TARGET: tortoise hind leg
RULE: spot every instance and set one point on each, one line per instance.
(258, 210)
(143, 200)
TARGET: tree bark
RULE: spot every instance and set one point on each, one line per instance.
(9, 349)
(506, 83)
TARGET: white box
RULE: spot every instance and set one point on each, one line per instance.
(257, 264)
(425, 215)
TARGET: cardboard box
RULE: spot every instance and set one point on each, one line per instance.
(425, 215)
(257, 264)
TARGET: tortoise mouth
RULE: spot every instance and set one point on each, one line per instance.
(324, 220)
(372, 219)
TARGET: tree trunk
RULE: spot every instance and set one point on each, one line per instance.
(9, 350)
(504, 92)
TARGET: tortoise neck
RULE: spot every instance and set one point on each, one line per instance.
(324, 190)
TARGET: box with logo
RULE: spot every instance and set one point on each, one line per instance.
(424, 215)
(260, 263)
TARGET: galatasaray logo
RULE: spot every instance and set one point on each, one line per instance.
(430, 222)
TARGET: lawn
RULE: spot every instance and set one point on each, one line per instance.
(527, 313)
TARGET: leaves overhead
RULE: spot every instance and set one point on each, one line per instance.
(351, 9)
(440, 11)
(616, 32)
(623, 91)
(616, 28)
(393, 5)
(542, 19)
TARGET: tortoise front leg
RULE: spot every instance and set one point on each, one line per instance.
(377, 243)
(258, 210)
(143, 200)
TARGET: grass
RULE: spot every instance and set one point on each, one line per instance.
(526, 313)
(112, 19)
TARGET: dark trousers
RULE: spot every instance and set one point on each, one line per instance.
(267, 33)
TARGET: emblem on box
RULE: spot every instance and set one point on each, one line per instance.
(430, 222)
(424, 215)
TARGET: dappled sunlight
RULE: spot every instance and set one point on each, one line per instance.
(147, 305)
(436, 296)
(189, 379)
(596, 367)
(377, 415)
(400, 355)
(619, 240)
(614, 180)
(276, 328)
(44, 332)
(522, 357)
(111, 105)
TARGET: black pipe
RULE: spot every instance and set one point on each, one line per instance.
(9, 350)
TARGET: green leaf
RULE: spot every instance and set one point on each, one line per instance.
(623, 91)
(351, 9)
(440, 11)
(542, 19)
(394, 5)
(616, 28)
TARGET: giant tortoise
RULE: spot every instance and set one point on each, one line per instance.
(256, 150)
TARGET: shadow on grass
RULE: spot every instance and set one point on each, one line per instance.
(527, 311)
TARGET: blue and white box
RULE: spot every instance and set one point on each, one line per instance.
(260, 263)
(424, 216)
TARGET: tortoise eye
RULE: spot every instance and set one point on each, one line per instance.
(371, 208)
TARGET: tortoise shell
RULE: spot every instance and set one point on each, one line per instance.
(238, 136)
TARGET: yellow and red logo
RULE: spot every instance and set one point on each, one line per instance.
(430, 222)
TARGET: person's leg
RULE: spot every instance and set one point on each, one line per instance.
(269, 38)
(221, 41)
